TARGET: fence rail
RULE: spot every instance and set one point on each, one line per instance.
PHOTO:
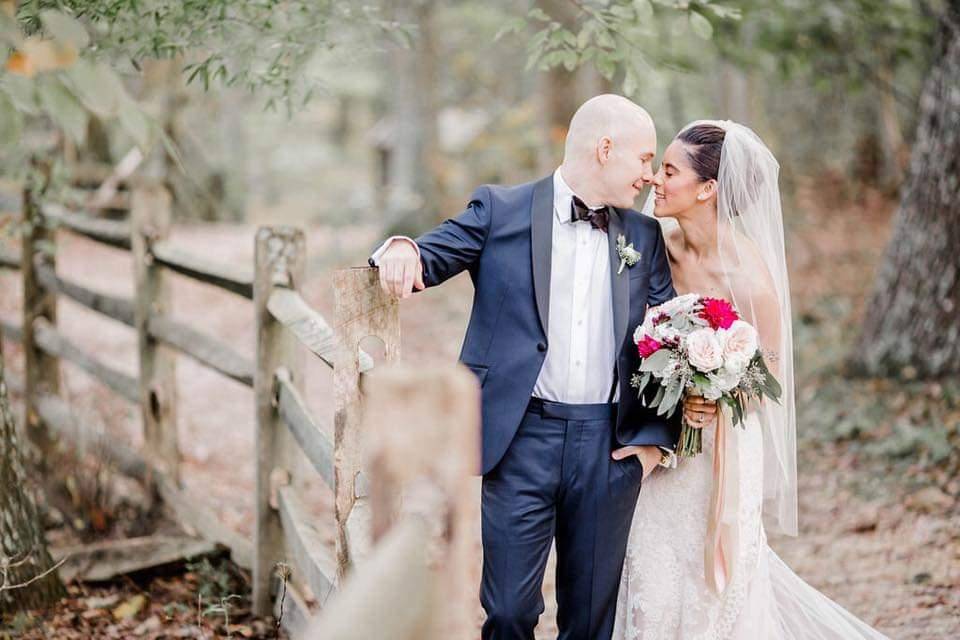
(284, 322)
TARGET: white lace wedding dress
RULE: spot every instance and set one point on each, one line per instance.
(663, 592)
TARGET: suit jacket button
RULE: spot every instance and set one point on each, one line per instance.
(541, 346)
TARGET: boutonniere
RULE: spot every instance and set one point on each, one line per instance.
(628, 255)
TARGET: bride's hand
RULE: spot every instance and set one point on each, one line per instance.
(699, 412)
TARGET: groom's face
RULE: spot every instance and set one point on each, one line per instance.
(627, 166)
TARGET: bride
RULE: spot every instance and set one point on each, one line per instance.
(697, 564)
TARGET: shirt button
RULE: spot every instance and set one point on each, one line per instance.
(579, 323)
(577, 363)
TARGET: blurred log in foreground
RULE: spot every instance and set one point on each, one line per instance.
(421, 429)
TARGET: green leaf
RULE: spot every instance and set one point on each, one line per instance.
(9, 31)
(605, 65)
(515, 25)
(656, 361)
(21, 92)
(538, 14)
(670, 398)
(11, 121)
(96, 86)
(700, 25)
(65, 110)
(643, 8)
(136, 124)
(605, 40)
(64, 28)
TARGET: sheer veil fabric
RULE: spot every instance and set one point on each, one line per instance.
(750, 221)
(698, 565)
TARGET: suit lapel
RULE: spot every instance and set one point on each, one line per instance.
(541, 244)
(620, 283)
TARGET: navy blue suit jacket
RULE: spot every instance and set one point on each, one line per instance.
(503, 239)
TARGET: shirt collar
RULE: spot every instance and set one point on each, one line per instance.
(562, 196)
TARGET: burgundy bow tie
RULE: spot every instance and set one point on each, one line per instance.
(598, 219)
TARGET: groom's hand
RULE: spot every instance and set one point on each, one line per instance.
(400, 269)
(649, 456)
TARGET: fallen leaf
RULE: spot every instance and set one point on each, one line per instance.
(130, 608)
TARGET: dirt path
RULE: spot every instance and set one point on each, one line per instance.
(896, 566)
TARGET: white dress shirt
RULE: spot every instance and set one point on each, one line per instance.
(581, 353)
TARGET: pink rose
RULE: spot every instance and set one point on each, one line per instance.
(740, 344)
(704, 350)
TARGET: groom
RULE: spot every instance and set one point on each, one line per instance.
(563, 271)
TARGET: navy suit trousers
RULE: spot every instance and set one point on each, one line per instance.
(557, 480)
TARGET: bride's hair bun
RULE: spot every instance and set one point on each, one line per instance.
(706, 141)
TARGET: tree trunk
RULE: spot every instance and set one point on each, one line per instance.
(412, 170)
(911, 323)
(23, 551)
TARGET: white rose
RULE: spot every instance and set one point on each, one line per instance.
(739, 344)
(726, 377)
(680, 303)
(704, 350)
(643, 330)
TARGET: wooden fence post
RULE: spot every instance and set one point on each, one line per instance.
(362, 310)
(150, 221)
(280, 261)
(423, 443)
(42, 371)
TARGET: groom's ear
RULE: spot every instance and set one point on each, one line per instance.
(604, 150)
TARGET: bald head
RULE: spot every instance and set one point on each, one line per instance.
(607, 115)
(608, 156)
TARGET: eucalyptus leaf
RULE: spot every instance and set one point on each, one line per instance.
(656, 361)
(65, 110)
(700, 25)
(64, 28)
(11, 121)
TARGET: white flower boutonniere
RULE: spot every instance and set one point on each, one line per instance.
(628, 255)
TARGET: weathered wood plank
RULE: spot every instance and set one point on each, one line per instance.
(188, 507)
(11, 329)
(202, 348)
(362, 309)
(9, 258)
(279, 261)
(106, 560)
(395, 585)
(191, 509)
(115, 307)
(313, 560)
(57, 345)
(150, 221)
(289, 307)
(110, 232)
(422, 430)
(232, 278)
(41, 370)
(314, 442)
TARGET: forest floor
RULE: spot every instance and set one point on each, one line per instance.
(878, 460)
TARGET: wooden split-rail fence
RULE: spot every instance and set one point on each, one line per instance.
(404, 464)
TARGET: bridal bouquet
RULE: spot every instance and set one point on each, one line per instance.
(699, 345)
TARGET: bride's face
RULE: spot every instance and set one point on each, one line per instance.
(676, 185)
